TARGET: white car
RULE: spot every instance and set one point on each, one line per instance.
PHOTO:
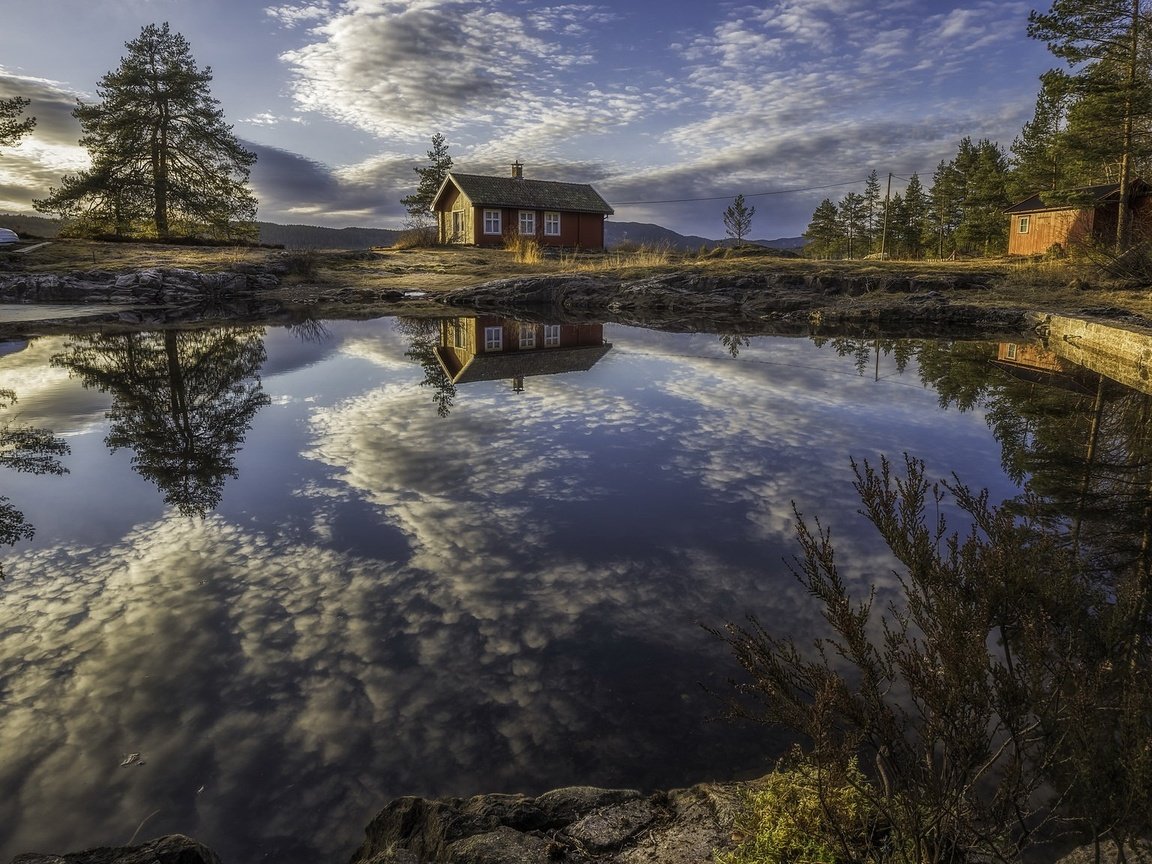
(7, 236)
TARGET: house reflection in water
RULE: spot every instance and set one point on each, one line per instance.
(1036, 363)
(490, 348)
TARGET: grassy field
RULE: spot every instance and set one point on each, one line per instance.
(1066, 285)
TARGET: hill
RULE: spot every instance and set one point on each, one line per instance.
(317, 237)
(647, 234)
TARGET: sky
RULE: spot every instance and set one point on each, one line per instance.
(668, 107)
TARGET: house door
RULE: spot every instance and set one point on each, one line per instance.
(457, 226)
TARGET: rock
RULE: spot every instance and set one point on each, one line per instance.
(173, 849)
(610, 828)
(577, 823)
(152, 285)
(502, 846)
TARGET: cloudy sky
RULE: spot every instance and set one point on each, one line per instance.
(649, 100)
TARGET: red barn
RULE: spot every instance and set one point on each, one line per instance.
(477, 210)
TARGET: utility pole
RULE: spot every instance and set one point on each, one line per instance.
(884, 231)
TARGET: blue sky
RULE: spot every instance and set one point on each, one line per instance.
(648, 100)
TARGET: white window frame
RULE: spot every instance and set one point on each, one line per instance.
(527, 335)
(551, 224)
(551, 335)
(1022, 225)
(492, 222)
(528, 223)
(1010, 353)
(493, 338)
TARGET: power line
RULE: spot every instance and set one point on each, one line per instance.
(726, 197)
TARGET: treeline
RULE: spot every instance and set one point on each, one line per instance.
(962, 212)
(1092, 125)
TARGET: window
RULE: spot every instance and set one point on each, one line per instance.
(1023, 225)
(527, 335)
(1010, 354)
(551, 335)
(551, 224)
(492, 222)
(493, 338)
(527, 222)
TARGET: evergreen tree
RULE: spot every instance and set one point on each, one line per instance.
(823, 231)
(164, 162)
(13, 126)
(1039, 161)
(853, 216)
(419, 204)
(915, 222)
(984, 228)
(874, 205)
(738, 219)
(946, 208)
(1102, 43)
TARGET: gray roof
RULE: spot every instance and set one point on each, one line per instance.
(1067, 199)
(516, 192)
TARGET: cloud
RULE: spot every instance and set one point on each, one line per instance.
(406, 70)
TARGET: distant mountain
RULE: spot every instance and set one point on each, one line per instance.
(30, 227)
(315, 237)
(648, 234)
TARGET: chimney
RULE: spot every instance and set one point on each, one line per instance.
(517, 170)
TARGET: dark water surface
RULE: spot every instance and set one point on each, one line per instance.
(292, 573)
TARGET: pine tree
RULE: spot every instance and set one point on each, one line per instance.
(1102, 43)
(947, 207)
(874, 204)
(824, 233)
(914, 224)
(853, 216)
(13, 126)
(1039, 152)
(984, 228)
(164, 162)
(738, 219)
(419, 204)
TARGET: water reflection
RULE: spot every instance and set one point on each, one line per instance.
(182, 402)
(27, 449)
(482, 594)
(471, 349)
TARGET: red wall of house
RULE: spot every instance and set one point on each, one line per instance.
(577, 230)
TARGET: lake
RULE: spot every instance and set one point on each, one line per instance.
(290, 573)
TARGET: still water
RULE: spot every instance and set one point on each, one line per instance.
(290, 573)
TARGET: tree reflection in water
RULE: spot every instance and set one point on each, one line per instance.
(29, 450)
(182, 401)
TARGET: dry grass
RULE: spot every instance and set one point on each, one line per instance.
(620, 258)
(525, 250)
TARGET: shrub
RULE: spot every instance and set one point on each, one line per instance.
(802, 813)
(959, 697)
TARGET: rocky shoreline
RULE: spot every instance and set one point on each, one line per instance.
(758, 301)
(575, 824)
